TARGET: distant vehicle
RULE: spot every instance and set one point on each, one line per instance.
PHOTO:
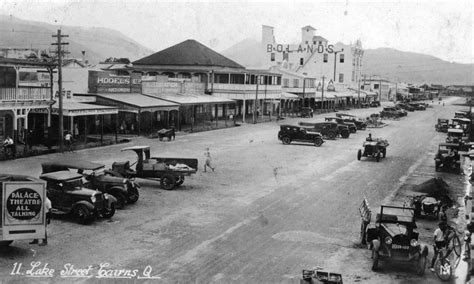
(390, 112)
(377, 148)
(69, 196)
(364, 105)
(442, 125)
(462, 123)
(418, 106)
(289, 133)
(359, 122)
(329, 130)
(375, 103)
(406, 107)
(401, 110)
(351, 125)
(306, 112)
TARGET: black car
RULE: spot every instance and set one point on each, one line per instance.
(123, 189)
(418, 106)
(447, 158)
(329, 130)
(351, 125)
(289, 133)
(375, 103)
(394, 237)
(359, 122)
(68, 195)
(391, 112)
(406, 107)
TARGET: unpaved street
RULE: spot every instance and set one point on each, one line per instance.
(267, 212)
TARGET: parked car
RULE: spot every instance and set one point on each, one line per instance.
(393, 237)
(364, 105)
(390, 112)
(290, 133)
(97, 177)
(329, 130)
(69, 196)
(447, 158)
(359, 122)
(401, 111)
(375, 103)
(351, 125)
(442, 125)
(461, 123)
(170, 171)
(461, 114)
(455, 135)
(404, 106)
(306, 112)
(418, 106)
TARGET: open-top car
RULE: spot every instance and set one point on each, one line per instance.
(461, 123)
(359, 122)
(97, 177)
(290, 133)
(68, 195)
(442, 125)
(374, 147)
(455, 135)
(351, 125)
(170, 171)
(329, 130)
(447, 158)
(393, 237)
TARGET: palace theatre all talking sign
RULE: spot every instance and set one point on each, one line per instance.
(107, 82)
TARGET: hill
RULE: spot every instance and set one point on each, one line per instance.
(389, 63)
(98, 43)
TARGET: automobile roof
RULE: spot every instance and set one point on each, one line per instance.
(462, 119)
(61, 175)
(455, 130)
(443, 119)
(134, 148)
(74, 164)
(346, 114)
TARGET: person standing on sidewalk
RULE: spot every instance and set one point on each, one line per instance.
(47, 210)
(68, 140)
(207, 163)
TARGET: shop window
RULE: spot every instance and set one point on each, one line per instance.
(341, 58)
(341, 78)
(325, 57)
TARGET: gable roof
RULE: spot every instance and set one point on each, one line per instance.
(308, 27)
(188, 53)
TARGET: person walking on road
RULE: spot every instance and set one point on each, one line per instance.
(47, 210)
(208, 163)
(68, 140)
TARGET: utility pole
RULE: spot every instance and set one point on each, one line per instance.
(60, 87)
(304, 91)
(322, 95)
(257, 77)
(358, 92)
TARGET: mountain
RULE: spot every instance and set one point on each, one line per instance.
(98, 43)
(389, 63)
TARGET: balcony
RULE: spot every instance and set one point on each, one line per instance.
(244, 87)
(25, 94)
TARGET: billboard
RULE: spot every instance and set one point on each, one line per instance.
(109, 82)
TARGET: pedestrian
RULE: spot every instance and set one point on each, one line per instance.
(439, 242)
(9, 145)
(207, 163)
(68, 140)
(47, 210)
(76, 130)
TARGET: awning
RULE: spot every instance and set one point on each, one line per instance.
(192, 99)
(73, 108)
(346, 94)
(289, 96)
(369, 93)
(249, 96)
(134, 102)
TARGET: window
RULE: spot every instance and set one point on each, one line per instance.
(376, 86)
(341, 78)
(353, 61)
(285, 56)
(301, 61)
(296, 83)
(325, 58)
(279, 81)
(272, 56)
(341, 58)
(320, 42)
(286, 83)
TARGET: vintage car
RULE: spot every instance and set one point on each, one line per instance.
(329, 130)
(401, 111)
(376, 148)
(447, 158)
(170, 171)
(442, 125)
(418, 106)
(390, 112)
(461, 114)
(405, 106)
(359, 122)
(375, 103)
(461, 123)
(289, 133)
(97, 177)
(364, 105)
(166, 133)
(393, 237)
(351, 125)
(455, 135)
(68, 195)
(306, 112)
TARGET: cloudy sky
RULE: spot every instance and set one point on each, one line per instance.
(440, 28)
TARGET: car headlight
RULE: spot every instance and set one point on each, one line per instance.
(124, 180)
(106, 196)
(413, 243)
(388, 240)
(93, 199)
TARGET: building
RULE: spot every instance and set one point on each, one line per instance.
(315, 57)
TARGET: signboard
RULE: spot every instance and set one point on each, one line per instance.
(331, 86)
(108, 82)
(23, 215)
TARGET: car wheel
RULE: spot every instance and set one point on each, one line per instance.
(82, 214)
(384, 153)
(377, 157)
(359, 154)
(5, 243)
(420, 269)
(168, 182)
(179, 180)
(345, 134)
(133, 195)
(375, 259)
(437, 167)
(121, 200)
(109, 212)
(331, 135)
(286, 140)
(318, 142)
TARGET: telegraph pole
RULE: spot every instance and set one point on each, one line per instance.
(60, 87)
(358, 92)
(322, 95)
(257, 77)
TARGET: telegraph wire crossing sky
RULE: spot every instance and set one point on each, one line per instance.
(443, 29)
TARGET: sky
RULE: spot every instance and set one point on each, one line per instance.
(444, 29)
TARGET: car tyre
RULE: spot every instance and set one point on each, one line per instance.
(168, 182)
(332, 135)
(121, 200)
(83, 214)
(109, 212)
(359, 154)
(421, 265)
(377, 157)
(179, 180)
(286, 140)
(345, 134)
(133, 196)
(318, 142)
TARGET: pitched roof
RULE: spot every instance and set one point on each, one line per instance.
(308, 27)
(189, 53)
